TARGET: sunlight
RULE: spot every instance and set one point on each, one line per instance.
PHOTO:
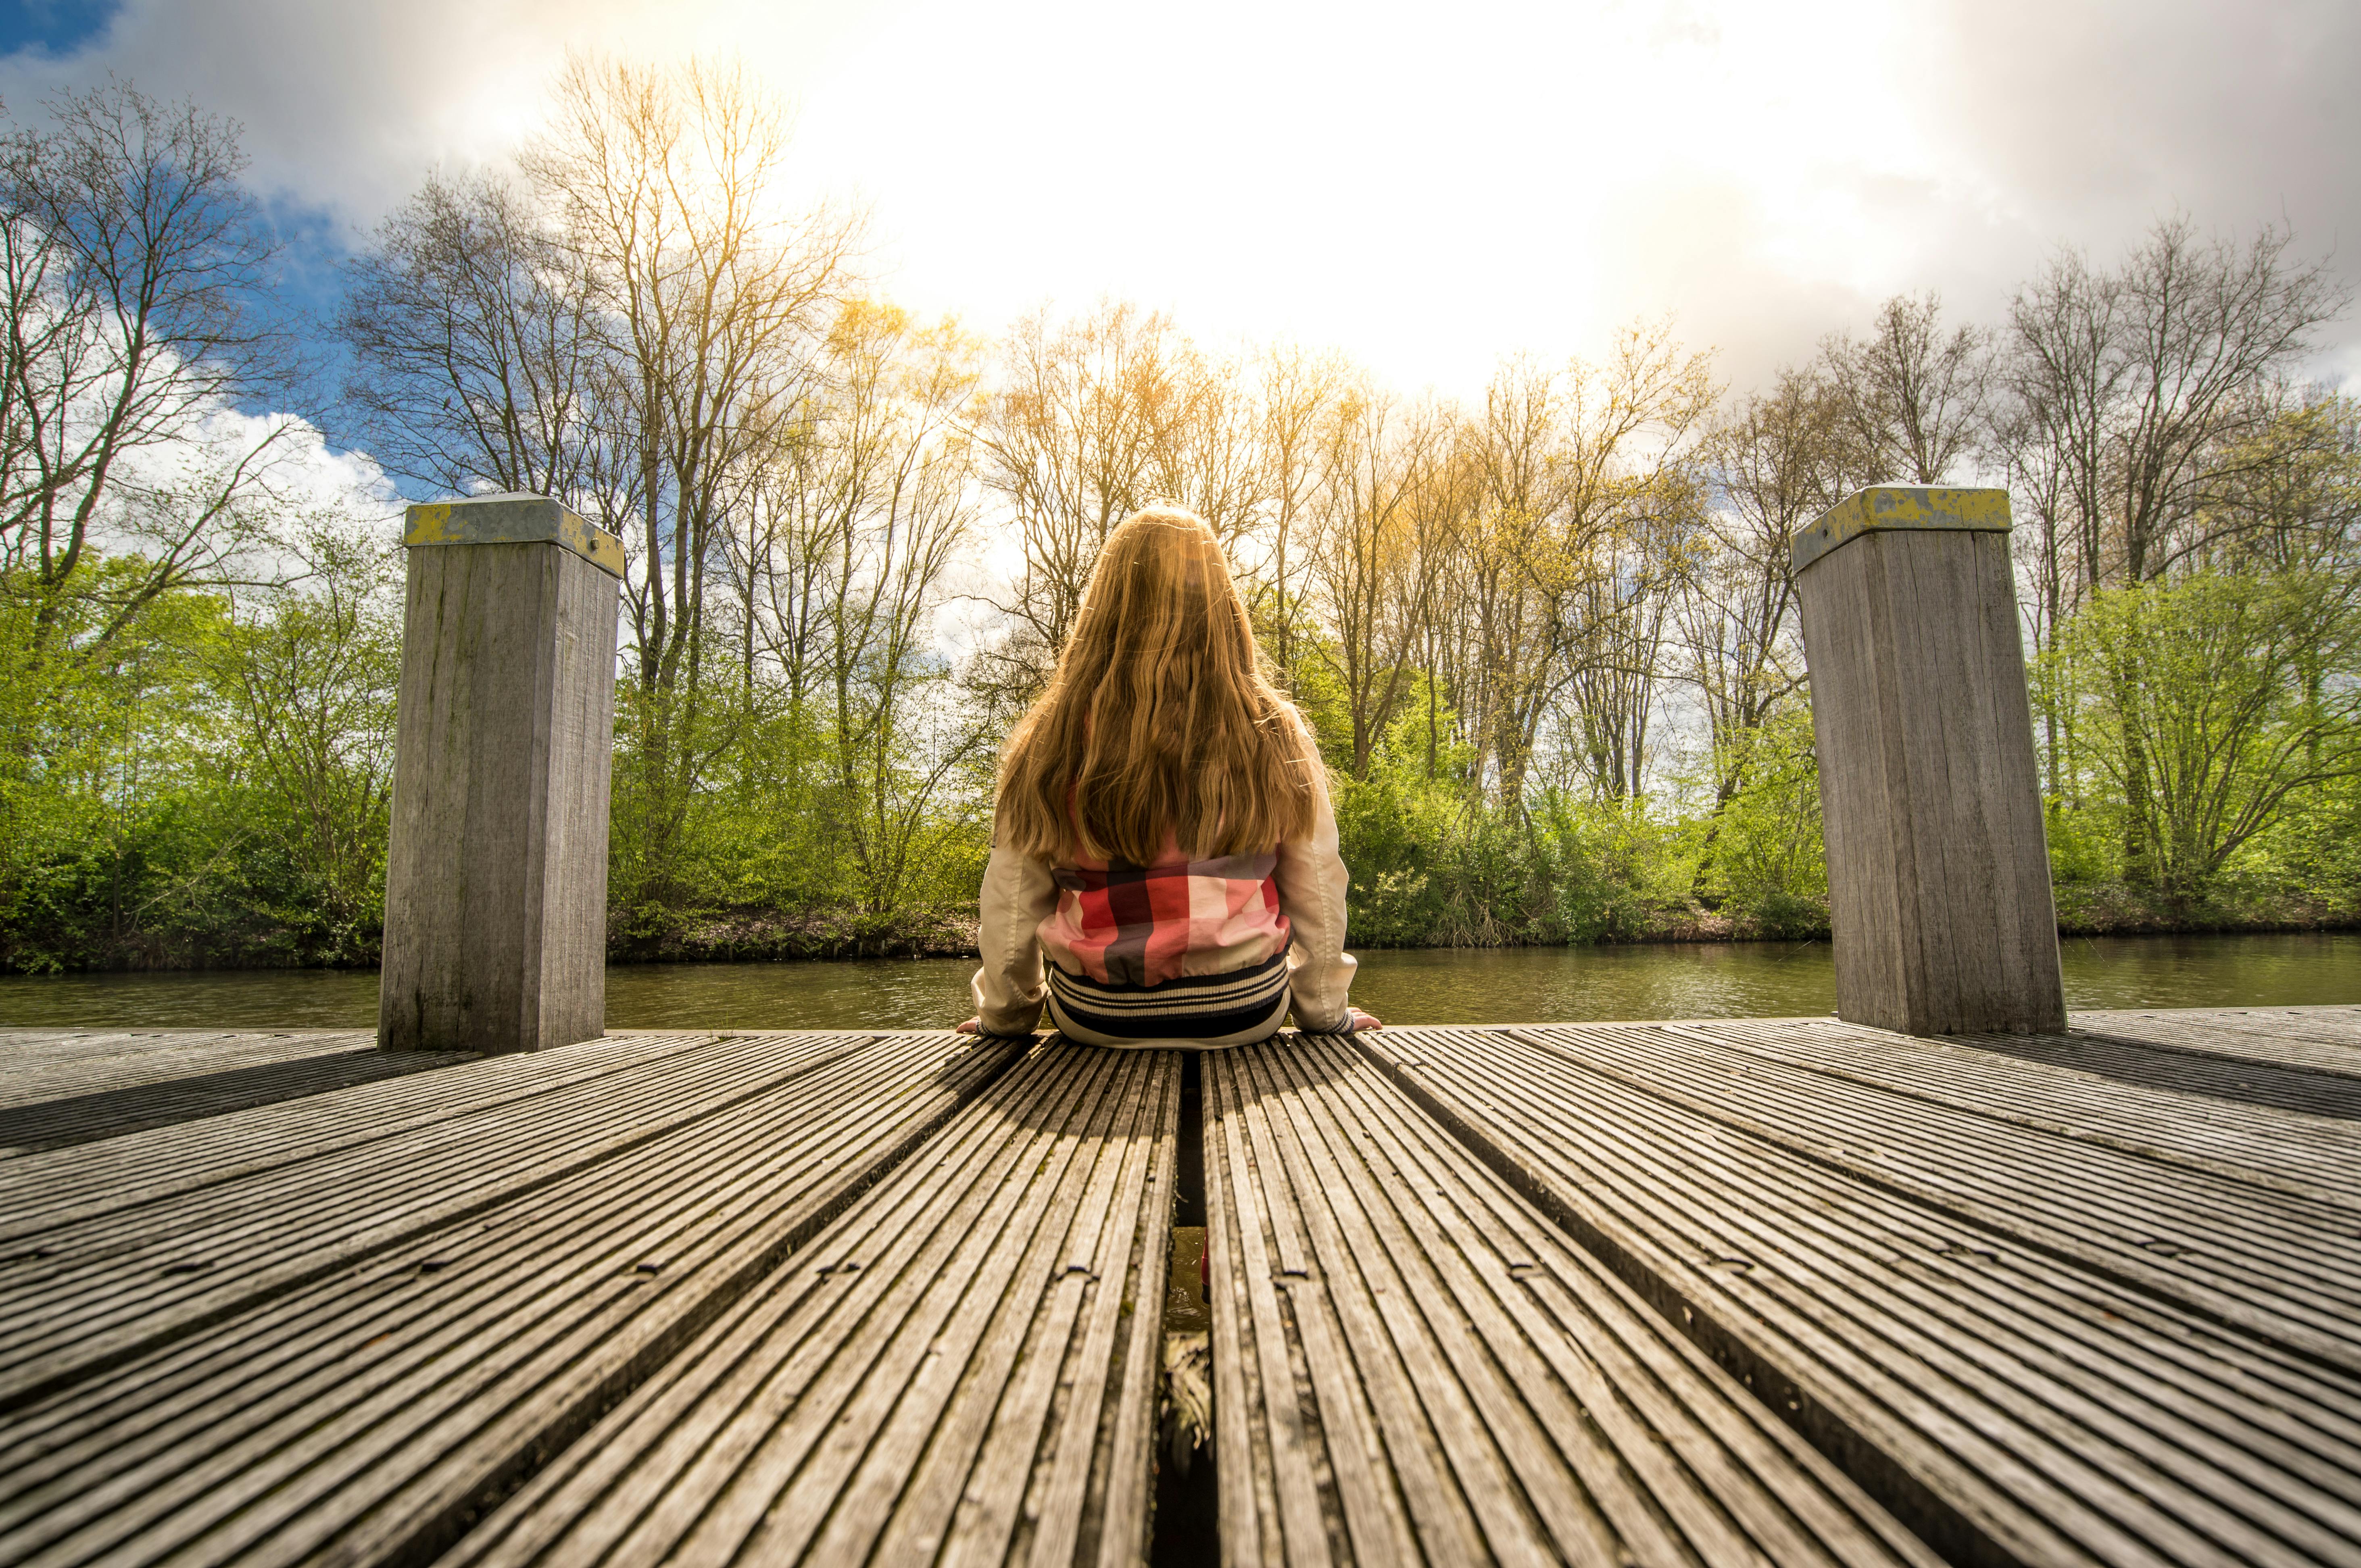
(1275, 169)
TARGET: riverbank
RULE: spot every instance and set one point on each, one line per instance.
(2083, 910)
(950, 932)
(1499, 985)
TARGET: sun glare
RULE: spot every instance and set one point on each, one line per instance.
(1427, 188)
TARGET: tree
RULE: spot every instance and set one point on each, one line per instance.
(1571, 466)
(2144, 387)
(1299, 396)
(310, 682)
(476, 344)
(1774, 461)
(681, 311)
(1618, 674)
(1392, 491)
(1071, 444)
(2139, 396)
(135, 274)
(863, 519)
(2194, 706)
(1912, 395)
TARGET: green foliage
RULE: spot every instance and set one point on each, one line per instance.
(781, 831)
(1433, 864)
(209, 787)
(102, 748)
(205, 786)
(1765, 861)
(2205, 716)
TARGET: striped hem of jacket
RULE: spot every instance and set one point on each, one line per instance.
(1206, 1010)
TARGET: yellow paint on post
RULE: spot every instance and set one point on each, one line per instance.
(512, 518)
(1932, 508)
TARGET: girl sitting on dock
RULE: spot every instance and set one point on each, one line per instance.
(1163, 836)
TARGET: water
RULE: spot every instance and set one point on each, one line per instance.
(1432, 986)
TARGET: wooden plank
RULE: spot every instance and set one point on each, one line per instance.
(139, 1093)
(2008, 1400)
(370, 1414)
(1412, 1364)
(2336, 1021)
(20, 1043)
(62, 1186)
(2233, 1078)
(2273, 1263)
(2310, 1039)
(22, 1048)
(961, 1369)
(2073, 1085)
(83, 1295)
(57, 1065)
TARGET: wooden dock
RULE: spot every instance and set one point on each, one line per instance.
(1763, 1291)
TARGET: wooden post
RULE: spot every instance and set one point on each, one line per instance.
(1938, 866)
(496, 871)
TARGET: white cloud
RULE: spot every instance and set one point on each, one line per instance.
(1425, 186)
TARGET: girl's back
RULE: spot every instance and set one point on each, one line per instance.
(1164, 835)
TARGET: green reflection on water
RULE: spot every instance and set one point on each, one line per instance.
(1431, 986)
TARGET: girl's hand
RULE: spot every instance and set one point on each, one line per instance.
(1364, 1022)
(972, 1027)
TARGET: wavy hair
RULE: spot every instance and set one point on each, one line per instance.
(1160, 724)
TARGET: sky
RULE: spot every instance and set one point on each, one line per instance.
(1426, 186)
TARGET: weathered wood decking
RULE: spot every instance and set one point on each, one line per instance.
(1774, 1291)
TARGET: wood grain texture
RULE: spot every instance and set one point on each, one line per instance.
(2298, 1133)
(1412, 1364)
(134, 1095)
(1939, 872)
(62, 1186)
(370, 1411)
(2007, 1334)
(961, 1369)
(39, 1065)
(86, 1292)
(496, 868)
(2325, 1040)
(1742, 1291)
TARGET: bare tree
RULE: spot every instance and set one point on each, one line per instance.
(2144, 388)
(711, 300)
(894, 509)
(664, 181)
(1071, 446)
(1775, 461)
(1392, 493)
(1617, 685)
(1569, 464)
(135, 271)
(1297, 398)
(475, 344)
(1914, 395)
(2141, 399)
(1208, 454)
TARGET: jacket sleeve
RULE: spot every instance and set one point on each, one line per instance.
(1018, 894)
(1311, 888)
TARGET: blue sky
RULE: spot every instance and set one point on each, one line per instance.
(57, 26)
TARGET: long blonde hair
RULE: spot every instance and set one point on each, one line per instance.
(1159, 721)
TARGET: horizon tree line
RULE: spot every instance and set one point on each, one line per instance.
(1570, 595)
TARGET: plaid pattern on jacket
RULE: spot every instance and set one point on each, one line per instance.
(1177, 919)
(1126, 925)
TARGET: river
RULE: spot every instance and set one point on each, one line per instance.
(1427, 986)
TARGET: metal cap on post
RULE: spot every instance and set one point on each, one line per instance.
(1938, 865)
(496, 867)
